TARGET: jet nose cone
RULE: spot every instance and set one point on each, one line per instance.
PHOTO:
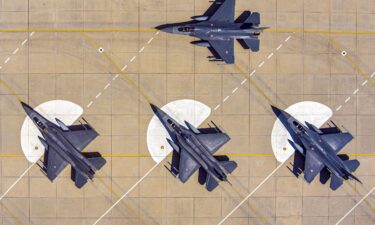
(26, 107)
(276, 110)
(154, 108)
(165, 28)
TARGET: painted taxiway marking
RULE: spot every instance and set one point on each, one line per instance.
(126, 193)
(251, 74)
(5, 62)
(354, 93)
(356, 205)
(251, 193)
(122, 69)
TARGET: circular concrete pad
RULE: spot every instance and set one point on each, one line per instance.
(181, 110)
(66, 111)
(312, 112)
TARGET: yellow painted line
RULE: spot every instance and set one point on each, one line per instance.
(10, 90)
(255, 85)
(154, 30)
(118, 68)
(251, 207)
(356, 191)
(319, 31)
(128, 207)
(350, 59)
(12, 214)
(140, 155)
(79, 31)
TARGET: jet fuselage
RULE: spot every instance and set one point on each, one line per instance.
(186, 139)
(215, 31)
(53, 137)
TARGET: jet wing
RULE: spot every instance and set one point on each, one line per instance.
(187, 166)
(224, 49)
(53, 163)
(312, 166)
(337, 141)
(80, 135)
(225, 13)
(213, 141)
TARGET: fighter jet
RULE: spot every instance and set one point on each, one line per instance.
(63, 145)
(217, 30)
(320, 148)
(195, 149)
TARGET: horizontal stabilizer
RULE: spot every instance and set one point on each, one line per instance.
(98, 162)
(336, 182)
(252, 44)
(78, 178)
(211, 183)
(352, 164)
(229, 166)
(254, 19)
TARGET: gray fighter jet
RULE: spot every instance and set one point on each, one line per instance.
(217, 30)
(195, 149)
(320, 148)
(63, 145)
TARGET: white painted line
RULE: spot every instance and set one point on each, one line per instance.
(24, 41)
(133, 58)
(15, 51)
(281, 45)
(356, 91)
(98, 95)
(107, 86)
(226, 98)
(261, 64)
(88, 105)
(364, 83)
(270, 55)
(338, 108)
(18, 179)
(1, 67)
(32, 33)
(149, 41)
(287, 39)
(117, 75)
(216, 107)
(243, 82)
(141, 50)
(251, 193)
(234, 90)
(157, 33)
(373, 74)
(355, 206)
(124, 195)
(346, 100)
(123, 68)
(252, 73)
(7, 60)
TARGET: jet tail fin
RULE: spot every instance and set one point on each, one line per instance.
(352, 164)
(97, 162)
(252, 43)
(211, 183)
(229, 166)
(336, 182)
(95, 159)
(78, 178)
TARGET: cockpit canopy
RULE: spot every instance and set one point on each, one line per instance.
(186, 29)
(299, 126)
(38, 123)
